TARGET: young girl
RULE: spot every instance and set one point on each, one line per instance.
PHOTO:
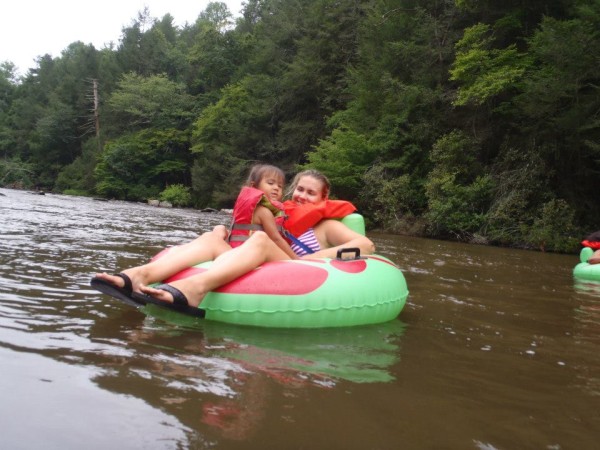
(259, 207)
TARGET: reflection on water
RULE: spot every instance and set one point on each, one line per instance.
(496, 348)
(221, 375)
(321, 356)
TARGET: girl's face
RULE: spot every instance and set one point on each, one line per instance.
(308, 190)
(272, 186)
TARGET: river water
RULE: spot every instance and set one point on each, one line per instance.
(495, 349)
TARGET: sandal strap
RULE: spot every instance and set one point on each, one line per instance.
(179, 297)
(128, 285)
(180, 302)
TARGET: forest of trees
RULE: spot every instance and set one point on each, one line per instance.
(475, 120)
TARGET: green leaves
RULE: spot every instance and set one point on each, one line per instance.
(140, 165)
(229, 136)
(344, 157)
(458, 190)
(177, 195)
(457, 210)
(485, 72)
(153, 101)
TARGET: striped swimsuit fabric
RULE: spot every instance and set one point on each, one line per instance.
(310, 240)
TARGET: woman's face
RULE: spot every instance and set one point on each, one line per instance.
(308, 190)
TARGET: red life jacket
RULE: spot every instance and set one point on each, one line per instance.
(591, 244)
(243, 210)
(300, 218)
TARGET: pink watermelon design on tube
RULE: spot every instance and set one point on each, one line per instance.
(357, 266)
(274, 278)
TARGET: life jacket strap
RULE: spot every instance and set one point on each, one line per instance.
(298, 242)
(247, 227)
(237, 238)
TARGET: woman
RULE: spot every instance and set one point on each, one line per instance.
(309, 187)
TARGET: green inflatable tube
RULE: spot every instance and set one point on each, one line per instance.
(345, 291)
(584, 270)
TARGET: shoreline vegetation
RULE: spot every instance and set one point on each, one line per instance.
(476, 240)
(473, 121)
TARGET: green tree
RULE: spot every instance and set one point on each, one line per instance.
(149, 47)
(139, 166)
(78, 177)
(8, 88)
(50, 113)
(553, 228)
(214, 55)
(153, 101)
(522, 183)
(483, 71)
(458, 189)
(227, 137)
(15, 173)
(395, 203)
(177, 195)
(558, 107)
(345, 157)
(396, 100)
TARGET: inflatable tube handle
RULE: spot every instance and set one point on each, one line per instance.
(355, 222)
(354, 250)
(585, 254)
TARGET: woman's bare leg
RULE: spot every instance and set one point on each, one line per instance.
(206, 247)
(230, 265)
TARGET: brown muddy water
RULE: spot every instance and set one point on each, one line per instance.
(495, 349)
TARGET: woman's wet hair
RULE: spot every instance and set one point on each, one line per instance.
(326, 185)
(260, 171)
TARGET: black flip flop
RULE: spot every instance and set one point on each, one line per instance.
(124, 294)
(180, 301)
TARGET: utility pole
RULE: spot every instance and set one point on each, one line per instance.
(96, 114)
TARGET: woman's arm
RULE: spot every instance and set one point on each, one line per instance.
(333, 235)
(262, 216)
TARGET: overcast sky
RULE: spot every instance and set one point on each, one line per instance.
(32, 28)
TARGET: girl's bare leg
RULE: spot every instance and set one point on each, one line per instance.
(227, 267)
(206, 247)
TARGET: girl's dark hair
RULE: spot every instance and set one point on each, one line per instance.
(260, 171)
(594, 237)
(314, 174)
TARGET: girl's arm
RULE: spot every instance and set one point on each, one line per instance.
(262, 216)
(333, 235)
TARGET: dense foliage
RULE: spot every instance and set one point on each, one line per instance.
(475, 120)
